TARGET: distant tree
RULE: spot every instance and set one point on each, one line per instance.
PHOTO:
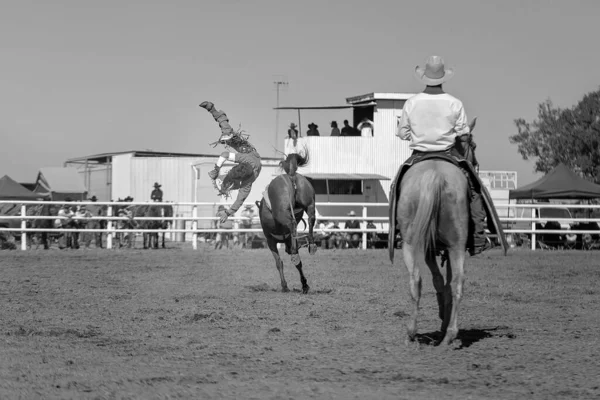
(570, 136)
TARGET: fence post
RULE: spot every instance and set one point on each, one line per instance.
(23, 226)
(364, 235)
(109, 228)
(533, 238)
(195, 227)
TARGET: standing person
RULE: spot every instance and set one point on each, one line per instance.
(223, 238)
(432, 120)
(83, 216)
(312, 130)
(347, 130)
(243, 175)
(293, 134)
(248, 214)
(335, 131)
(157, 194)
(366, 127)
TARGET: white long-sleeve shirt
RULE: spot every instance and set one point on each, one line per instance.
(432, 121)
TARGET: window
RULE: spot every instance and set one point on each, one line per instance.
(337, 186)
(345, 186)
(320, 185)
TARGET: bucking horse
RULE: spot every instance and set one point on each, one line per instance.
(282, 207)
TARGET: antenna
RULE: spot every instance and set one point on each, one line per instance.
(279, 81)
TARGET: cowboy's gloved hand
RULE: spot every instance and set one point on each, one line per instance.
(214, 173)
(223, 215)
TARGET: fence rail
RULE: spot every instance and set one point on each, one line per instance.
(193, 219)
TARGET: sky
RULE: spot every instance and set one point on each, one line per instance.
(86, 77)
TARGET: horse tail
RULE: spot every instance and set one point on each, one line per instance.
(422, 234)
(294, 160)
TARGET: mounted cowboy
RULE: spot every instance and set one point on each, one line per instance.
(242, 176)
(436, 124)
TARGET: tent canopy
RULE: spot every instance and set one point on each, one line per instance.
(60, 183)
(12, 190)
(560, 183)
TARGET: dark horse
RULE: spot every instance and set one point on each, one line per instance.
(285, 201)
(160, 213)
(45, 210)
(433, 215)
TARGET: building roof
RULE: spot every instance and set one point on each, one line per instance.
(11, 190)
(103, 158)
(342, 176)
(373, 97)
(560, 183)
(60, 180)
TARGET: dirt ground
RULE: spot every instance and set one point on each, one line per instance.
(178, 323)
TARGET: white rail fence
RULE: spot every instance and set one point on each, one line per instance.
(194, 219)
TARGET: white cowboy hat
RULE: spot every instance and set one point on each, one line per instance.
(434, 72)
(352, 213)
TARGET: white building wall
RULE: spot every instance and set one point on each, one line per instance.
(120, 176)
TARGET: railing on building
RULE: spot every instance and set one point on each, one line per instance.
(195, 230)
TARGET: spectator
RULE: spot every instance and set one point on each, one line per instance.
(248, 213)
(366, 127)
(352, 238)
(372, 237)
(157, 194)
(347, 130)
(312, 130)
(335, 131)
(321, 235)
(65, 217)
(223, 238)
(335, 238)
(82, 217)
(94, 199)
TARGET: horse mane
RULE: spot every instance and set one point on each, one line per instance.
(295, 160)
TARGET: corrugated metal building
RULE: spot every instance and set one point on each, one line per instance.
(183, 176)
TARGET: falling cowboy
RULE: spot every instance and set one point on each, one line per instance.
(242, 176)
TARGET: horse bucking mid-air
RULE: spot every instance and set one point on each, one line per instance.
(282, 207)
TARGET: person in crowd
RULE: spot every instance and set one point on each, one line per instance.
(223, 238)
(312, 130)
(248, 214)
(335, 131)
(372, 237)
(157, 194)
(352, 239)
(335, 238)
(366, 127)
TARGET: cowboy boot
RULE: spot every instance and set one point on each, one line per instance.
(207, 105)
(480, 242)
(214, 173)
(219, 116)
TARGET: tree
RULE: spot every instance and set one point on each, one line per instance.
(570, 136)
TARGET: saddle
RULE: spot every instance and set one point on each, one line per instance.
(493, 221)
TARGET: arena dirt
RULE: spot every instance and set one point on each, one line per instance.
(178, 323)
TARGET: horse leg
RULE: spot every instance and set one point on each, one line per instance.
(438, 284)
(278, 262)
(312, 247)
(453, 292)
(415, 285)
(298, 263)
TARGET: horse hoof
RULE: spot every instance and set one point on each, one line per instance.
(312, 248)
(285, 289)
(305, 289)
